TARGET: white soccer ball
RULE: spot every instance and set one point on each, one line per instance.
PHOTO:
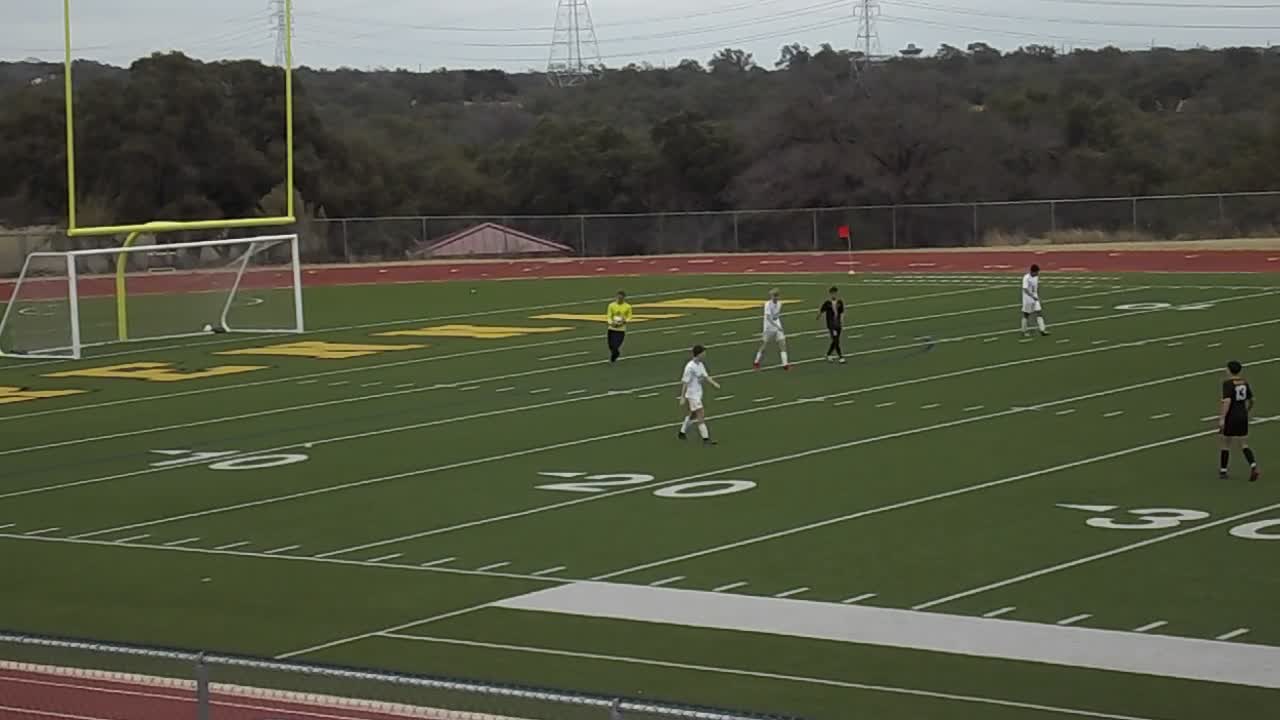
(617, 319)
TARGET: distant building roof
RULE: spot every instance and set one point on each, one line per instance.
(489, 240)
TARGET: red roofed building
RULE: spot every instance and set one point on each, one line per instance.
(490, 240)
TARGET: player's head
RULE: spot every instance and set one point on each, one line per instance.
(622, 295)
(774, 294)
(698, 352)
(1035, 270)
(1234, 367)
(833, 290)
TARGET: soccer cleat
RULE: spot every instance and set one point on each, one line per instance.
(709, 441)
(786, 367)
(1044, 333)
(681, 435)
(756, 365)
(1222, 474)
(1254, 474)
(842, 361)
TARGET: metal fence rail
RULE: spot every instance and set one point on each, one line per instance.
(1011, 223)
(60, 677)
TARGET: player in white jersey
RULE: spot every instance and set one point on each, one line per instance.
(1031, 300)
(773, 330)
(691, 392)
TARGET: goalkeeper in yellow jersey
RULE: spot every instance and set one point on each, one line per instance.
(618, 314)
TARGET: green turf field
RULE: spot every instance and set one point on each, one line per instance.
(392, 504)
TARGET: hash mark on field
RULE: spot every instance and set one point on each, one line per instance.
(278, 550)
(728, 334)
(384, 558)
(539, 390)
(372, 384)
(575, 392)
(844, 402)
(1173, 344)
(669, 332)
(792, 593)
(974, 408)
(1000, 611)
(1215, 345)
(1088, 307)
(763, 399)
(1233, 634)
(991, 339)
(1255, 347)
(1161, 416)
(550, 570)
(441, 561)
(41, 532)
(566, 355)
(175, 543)
(339, 383)
(509, 388)
(1025, 340)
(648, 395)
(6, 526)
(493, 566)
(1099, 342)
(887, 404)
(931, 406)
(469, 388)
(1113, 413)
(132, 538)
(230, 546)
(889, 337)
(730, 586)
(668, 581)
(857, 598)
(1074, 619)
(727, 397)
(401, 386)
(308, 382)
(1068, 411)
(1064, 341)
(698, 332)
(1151, 626)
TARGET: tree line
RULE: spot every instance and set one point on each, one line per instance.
(176, 138)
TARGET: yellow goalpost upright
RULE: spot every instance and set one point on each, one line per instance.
(133, 231)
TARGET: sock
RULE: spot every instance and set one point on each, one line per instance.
(1040, 322)
(1024, 324)
(702, 430)
(1224, 457)
(784, 358)
(684, 427)
(759, 355)
(1248, 455)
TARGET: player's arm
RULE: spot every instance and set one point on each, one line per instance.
(1225, 405)
(626, 313)
(684, 386)
(712, 380)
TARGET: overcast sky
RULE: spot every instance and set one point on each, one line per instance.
(516, 35)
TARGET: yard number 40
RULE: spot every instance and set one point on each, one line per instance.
(1169, 518)
(618, 481)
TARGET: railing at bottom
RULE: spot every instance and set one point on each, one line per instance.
(57, 677)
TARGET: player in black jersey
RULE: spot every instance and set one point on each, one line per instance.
(833, 309)
(1233, 419)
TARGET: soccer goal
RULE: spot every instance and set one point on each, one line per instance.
(64, 302)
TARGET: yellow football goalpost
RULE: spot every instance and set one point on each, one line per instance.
(164, 226)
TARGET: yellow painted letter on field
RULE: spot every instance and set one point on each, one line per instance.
(156, 372)
(321, 350)
(16, 394)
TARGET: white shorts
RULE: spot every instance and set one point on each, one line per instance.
(1030, 306)
(695, 402)
(772, 335)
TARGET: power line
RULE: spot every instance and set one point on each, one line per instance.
(1081, 21)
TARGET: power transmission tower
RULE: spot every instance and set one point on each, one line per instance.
(575, 52)
(867, 13)
(281, 27)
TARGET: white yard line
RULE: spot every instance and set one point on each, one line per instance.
(909, 503)
(566, 355)
(232, 546)
(133, 538)
(384, 558)
(759, 675)
(999, 611)
(1105, 554)
(662, 426)
(1161, 416)
(279, 550)
(1113, 413)
(493, 566)
(792, 593)
(730, 586)
(1151, 626)
(1233, 634)
(42, 532)
(435, 563)
(486, 351)
(1074, 619)
(857, 599)
(667, 581)
(1068, 411)
(550, 570)
(185, 541)
(395, 628)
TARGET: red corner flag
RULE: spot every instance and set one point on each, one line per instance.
(844, 232)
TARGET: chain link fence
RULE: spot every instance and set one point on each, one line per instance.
(54, 677)
(1013, 223)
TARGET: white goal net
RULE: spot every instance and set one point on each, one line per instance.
(64, 302)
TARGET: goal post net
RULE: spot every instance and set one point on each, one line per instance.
(64, 302)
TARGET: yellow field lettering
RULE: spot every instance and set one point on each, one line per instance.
(16, 394)
(321, 350)
(480, 332)
(709, 304)
(155, 372)
(599, 317)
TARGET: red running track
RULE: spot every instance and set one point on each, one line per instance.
(31, 695)
(943, 261)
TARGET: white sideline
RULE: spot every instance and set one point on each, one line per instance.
(760, 675)
(474, 416)
(1066, 645)
(651, 428)
(470, 353)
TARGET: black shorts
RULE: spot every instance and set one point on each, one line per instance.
(1235, 426)
(834, 331)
